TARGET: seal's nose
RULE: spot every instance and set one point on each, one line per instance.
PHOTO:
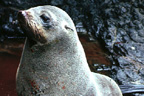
(21, 17)
(22, 14)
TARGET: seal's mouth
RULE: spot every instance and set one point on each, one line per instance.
(30, 27)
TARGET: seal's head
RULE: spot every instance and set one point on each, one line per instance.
(45, 24)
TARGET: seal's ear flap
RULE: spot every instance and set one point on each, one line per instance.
(68, 28)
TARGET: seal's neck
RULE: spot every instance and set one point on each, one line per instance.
(66, 52)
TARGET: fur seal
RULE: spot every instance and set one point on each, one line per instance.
(56, 65)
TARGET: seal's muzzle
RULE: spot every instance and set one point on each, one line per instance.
(30, 26)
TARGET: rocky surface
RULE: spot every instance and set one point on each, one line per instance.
(8, 24)
(117, 24)
(120, 27)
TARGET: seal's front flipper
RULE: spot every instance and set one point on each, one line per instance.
(106, 85)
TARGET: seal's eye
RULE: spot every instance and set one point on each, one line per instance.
(45, 18)
(46, 21)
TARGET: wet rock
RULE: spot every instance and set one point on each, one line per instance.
(121, 32)
(57, 2)
(71, 2)
(9, 25)
(24, 4)
(122, 76)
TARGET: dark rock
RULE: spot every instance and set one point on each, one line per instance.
(122, 33)
(57, 2)
(71, 2)
(121, 76)
(9, 25)
(24, 4)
